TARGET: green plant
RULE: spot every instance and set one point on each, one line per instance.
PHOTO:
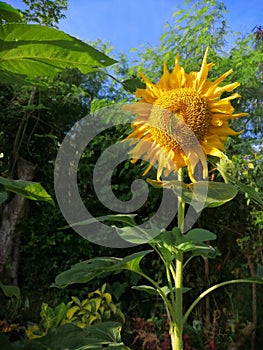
(98, 307)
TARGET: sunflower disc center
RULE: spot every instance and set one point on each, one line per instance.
(174, 112)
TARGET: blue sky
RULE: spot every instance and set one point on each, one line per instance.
(131, 23)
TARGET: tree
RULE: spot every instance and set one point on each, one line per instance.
(46, 12)
(28, 121)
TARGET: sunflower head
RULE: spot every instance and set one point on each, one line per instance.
(182, 119)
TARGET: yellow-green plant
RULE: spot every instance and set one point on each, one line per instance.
(97, 307)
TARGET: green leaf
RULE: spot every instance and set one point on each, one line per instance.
(124, 218)
(153, 291)
(132, 84)
(218, 193)
(32, 51)
(27, 189)
(148, 289)
(211, 194)
(199, 235)
(85, 271)
(138, 235)
(206, 253)
(37, 193)
(96, 337)
(10, 291)
(60, 313)
(191, 246)
(9, 13)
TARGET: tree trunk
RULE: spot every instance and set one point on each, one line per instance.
(13, 212)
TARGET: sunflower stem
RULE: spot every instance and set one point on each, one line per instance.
(176, 328)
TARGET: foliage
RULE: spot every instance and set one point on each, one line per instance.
(98, 307)
(34, 120)
(105, 335)
(47, 12)
(8, 14)
(39, 51)
(10, 291)
(29, 190)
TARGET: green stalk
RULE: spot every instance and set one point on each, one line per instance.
(176, 327)
(211, 289)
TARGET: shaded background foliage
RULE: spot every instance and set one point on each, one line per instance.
(47, 113)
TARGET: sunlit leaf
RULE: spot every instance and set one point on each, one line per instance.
(36, 51)
(28, 189)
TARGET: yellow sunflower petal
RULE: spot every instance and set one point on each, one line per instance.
(188, 113)
(164, 82)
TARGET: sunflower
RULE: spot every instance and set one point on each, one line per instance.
(181, 119)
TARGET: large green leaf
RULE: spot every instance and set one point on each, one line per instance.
(127, 219)
(194, 240)
(137, 234)
(30, 190)
(105, 335)
(85, 271)
(9, 14)
(218, 193)
(31, 51)
(211, 194)
(199, 235)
